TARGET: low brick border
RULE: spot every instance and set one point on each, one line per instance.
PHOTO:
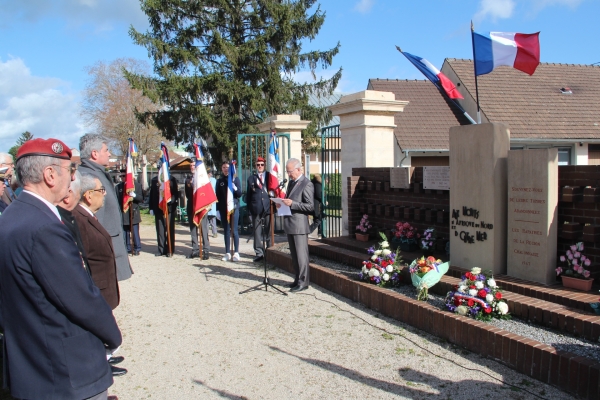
(567, 371)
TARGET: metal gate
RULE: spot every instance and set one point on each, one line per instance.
(251, 146)
(331, 174)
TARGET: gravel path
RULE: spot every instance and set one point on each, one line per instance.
(188, 333)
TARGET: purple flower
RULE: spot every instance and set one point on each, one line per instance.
(371, 250)
(360, 276)
(377, 280)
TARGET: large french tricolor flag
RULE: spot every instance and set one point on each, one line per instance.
(129, 188)
(204, 194)
(274, 167)
(230, 190)
(164, 178)
(517, 50)
(434, 75)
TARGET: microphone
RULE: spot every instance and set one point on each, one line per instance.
(282, 184)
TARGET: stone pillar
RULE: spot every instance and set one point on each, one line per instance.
(478, 196)
(291, 124)
(367, 135)
(532, 214)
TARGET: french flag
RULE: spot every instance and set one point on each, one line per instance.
(274, 167)
(204, 194)
(129, 185)
(164, 178)
(433, 74)
(517, 50)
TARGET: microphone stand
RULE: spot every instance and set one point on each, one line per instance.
(265, 283)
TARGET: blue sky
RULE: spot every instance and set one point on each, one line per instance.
(46, 45)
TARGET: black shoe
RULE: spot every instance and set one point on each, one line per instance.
(205, 255)
(194, 254)
(158, 255)
(136, 253)
(116, 360)
(116, 371)
(258, 258)
(298, 288)
(292, 285)
(168, 255)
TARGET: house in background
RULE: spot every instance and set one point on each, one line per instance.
(558, 106)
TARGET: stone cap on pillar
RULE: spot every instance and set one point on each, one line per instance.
(283, 123)
(368, 101)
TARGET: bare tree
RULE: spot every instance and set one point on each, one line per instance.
(110, 106)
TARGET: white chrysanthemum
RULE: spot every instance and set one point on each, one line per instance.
(491, 283)
(385, 244)
(374, 257)
(502, 308)
(389, 268)
(372, 272)
(476, 271)
(489, 298)
(386, 252)
(375, 272)
(473, 292)
(386, 277)
(462, 288)
(479, 285)
(462, 310)
(365, 270)
(377, 252)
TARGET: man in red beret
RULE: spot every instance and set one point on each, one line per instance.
(257, 199)
(57, 325)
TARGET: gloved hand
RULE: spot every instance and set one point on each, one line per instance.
(234, 187)
(151, 212)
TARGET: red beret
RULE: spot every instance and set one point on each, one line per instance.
(260, 159)
(44, 147)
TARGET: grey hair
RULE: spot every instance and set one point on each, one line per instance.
(30, 169)
(294, 161)
(5, 157)
(76, 184)
(90, 142)
(88, 182)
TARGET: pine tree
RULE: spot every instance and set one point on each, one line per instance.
(222, 66)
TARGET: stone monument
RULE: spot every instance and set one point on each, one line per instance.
(532, 214)
(478, 196)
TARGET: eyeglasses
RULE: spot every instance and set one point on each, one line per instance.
(289, 172)
(101, 190)
(260, 164)
(71, 168)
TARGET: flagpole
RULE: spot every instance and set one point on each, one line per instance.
(271, 224)
(200, 242)
(475, 71)
(131, 227)
(167, 224)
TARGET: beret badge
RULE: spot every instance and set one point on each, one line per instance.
(57, 148)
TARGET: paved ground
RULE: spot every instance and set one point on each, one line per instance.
(188, 333)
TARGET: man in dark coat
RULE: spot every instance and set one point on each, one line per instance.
(159, 216)
(189, 200)
(318, 203)
(94, 159)
(132, 215)
(257, 199)
(299, 197)
(57, 325)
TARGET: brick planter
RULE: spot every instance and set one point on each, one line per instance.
(571, 231)
(571, 194)
(591, 194)
(591, 233)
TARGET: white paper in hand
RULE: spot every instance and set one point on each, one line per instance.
(283, 210)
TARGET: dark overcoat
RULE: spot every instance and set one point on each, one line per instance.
(56, 322)
(134, 205)
(257, 196)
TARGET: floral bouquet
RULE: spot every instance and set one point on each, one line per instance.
(406, 231)
(573, 262)
(383, 267)
(426, 272)
(364, 225)
(477, 296)
(428, 239)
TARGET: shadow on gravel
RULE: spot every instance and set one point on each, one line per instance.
(411, 378)
(222, 393)
(254, 277)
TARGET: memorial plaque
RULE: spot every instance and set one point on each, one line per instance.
(400, 177)
(532, 214)
(436, 178)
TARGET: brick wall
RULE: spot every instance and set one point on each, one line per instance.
(369, 193)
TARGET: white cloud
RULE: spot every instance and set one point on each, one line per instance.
(539, 5)
(364, 6)
(102, 14)
(42, 106)
(494, 9)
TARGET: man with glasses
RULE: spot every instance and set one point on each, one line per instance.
(6, 161)
(95, 158)
(257, 199)
(57, 325)
(299, 197)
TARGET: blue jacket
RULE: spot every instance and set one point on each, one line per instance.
(56, 322)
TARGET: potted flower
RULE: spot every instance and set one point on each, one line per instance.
(428, 239)
(572, 270)
(405, 236)
(596, 306)
(362, 228)
(383, 266)
(426, 272)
